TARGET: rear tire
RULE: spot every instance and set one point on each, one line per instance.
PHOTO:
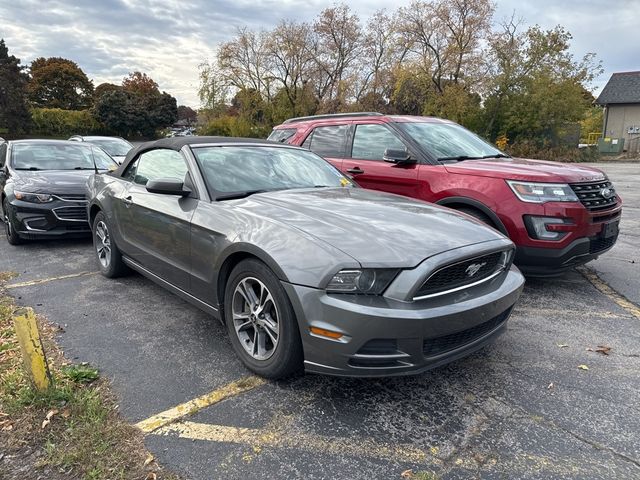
(9, 227)
(107, 252)
(261, 322)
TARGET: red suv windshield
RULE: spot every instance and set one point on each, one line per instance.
(448, 141)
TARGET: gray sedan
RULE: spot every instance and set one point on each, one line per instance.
(303, 267)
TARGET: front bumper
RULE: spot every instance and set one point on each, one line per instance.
(385, 337)
(52, 219)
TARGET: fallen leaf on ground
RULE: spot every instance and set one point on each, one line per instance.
(589, 349)
(148, 460)
(563, 345)
(603, 349)
(551, 385)
(48, 418)
(65, 413)
(583, 367)
(151, 476)
(407, 474)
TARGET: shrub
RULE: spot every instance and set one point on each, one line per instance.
(56, 122)
(535, 150)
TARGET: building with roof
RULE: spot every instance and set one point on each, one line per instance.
(621, 101)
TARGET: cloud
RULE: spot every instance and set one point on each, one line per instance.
(168, 39)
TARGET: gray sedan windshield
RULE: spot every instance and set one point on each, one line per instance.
(448, 141)
(243, 169)
(51, 156)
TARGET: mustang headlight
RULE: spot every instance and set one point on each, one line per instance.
(33, 197)
(542, 192)
(367, 281)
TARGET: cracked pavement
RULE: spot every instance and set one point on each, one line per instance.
(520, 408)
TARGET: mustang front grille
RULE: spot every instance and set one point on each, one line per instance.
(461, 274)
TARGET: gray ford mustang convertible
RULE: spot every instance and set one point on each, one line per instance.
(302, 266)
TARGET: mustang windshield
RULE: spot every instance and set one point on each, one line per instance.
(447, 141)
(238, 169)
(51, 156)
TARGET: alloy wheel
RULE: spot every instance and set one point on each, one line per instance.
(103, 244)
(255, 318)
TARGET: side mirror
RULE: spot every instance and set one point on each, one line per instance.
(401, 157)
(168, 186)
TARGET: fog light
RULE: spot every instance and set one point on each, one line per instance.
(546, 228)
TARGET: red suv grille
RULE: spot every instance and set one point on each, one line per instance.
(591, 194)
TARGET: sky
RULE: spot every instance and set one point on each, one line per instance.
(168, 39)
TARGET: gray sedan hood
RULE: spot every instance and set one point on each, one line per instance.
(376, 229)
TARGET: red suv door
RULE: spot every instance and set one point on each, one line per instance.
(367, 166)
(329, 141)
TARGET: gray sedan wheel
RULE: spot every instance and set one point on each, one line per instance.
(107, 252)
(255, 318)
(261, 322)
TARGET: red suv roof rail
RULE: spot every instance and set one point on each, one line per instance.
(333, 115)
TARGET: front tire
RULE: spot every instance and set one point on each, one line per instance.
(12, 236)
(261, 322)
(107, 252)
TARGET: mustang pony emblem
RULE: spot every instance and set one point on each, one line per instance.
(473, 268)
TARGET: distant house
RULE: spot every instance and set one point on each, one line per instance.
(621, 101)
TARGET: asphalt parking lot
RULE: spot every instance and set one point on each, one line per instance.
(519, 409)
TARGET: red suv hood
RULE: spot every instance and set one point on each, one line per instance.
(526, 169)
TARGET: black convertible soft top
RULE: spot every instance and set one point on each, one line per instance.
(176, 143)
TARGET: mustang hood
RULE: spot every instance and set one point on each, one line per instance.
(525, 169)
(376, 229)
(53, 181)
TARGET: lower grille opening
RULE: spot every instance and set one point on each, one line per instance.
(436, 346)
(598, 244)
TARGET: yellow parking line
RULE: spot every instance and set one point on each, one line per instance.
(610, 292)
(192, 406)
(311, 442)
(47, 280)
(50, 279)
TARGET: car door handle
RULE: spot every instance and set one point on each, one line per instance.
(128, 201)
(355, 170)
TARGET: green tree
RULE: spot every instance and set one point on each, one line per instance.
(14, 114)
(59, 83)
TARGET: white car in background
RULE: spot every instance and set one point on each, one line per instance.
(116, 147)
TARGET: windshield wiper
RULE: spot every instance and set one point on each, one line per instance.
(33, 169)
(235, 195)
(83, 168)
(460, 158)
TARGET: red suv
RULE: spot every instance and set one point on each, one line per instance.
(558, 215)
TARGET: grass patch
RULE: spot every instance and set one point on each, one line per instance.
(70, 431)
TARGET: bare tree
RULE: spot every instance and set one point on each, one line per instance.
(337, 45)
(290, 59)
(243, 60)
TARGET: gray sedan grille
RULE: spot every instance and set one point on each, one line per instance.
(461, 274)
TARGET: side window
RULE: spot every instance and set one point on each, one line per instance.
(370, 142)
(329, 141)
(282, 135)
(3, 154)
(130, 173)
(160, 163)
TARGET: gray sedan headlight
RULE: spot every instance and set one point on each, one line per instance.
(367, 281)
(542, 192)
(33, 197)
